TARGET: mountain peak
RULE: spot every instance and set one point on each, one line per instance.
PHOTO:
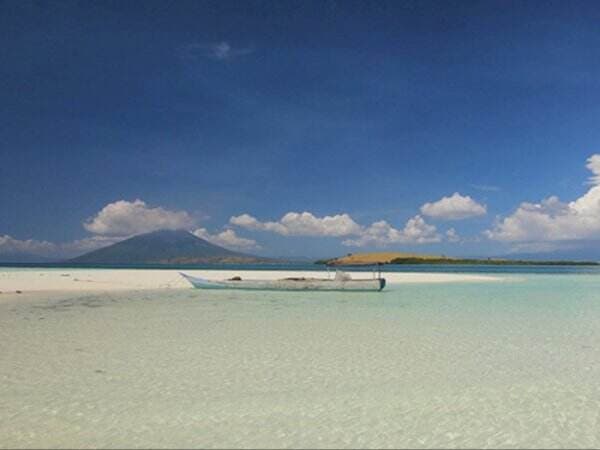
(164, 247)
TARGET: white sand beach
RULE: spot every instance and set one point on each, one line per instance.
(44, 280)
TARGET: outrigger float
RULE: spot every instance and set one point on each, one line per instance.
(341, 282)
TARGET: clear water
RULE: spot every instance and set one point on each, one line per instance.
(508, 364)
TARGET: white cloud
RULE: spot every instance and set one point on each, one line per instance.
(454, 207)
(123, 218)
(88, 244)
(251, 223)
(553, 220)
(452, 235)
(593, 164)
(302, 224)
(11, 245)
(381, 234)
(115, 222)
(228, 239)
(416, 230)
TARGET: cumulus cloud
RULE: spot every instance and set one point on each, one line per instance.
(593, 164)
(553, 220)
(416, 230)
(381, 234)
(454, 207)
(115, 222)
(10, 245)
(302, 224)
(88, 244)
(228, 239)
(252, 223)
(124, 218)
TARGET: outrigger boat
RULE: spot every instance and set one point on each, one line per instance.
(341, 282)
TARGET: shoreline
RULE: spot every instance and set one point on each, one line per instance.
(84, 280)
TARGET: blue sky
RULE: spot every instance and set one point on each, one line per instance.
(348, 111)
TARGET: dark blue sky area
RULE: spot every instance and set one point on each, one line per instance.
(223, 108)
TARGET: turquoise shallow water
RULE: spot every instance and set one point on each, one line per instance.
(514, 363)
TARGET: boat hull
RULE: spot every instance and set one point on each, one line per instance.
(298, 284)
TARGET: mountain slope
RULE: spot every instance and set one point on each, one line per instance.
(165, 247)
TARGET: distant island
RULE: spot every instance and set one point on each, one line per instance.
(166, 247)
(366, 259)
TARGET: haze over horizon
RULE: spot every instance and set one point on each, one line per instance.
(302, 128)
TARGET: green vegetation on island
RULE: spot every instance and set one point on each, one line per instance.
(491, 262)
(365, 259)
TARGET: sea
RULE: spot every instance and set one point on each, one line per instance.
(508, 364)
(301, 266)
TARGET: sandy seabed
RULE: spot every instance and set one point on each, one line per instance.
(508, 364)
